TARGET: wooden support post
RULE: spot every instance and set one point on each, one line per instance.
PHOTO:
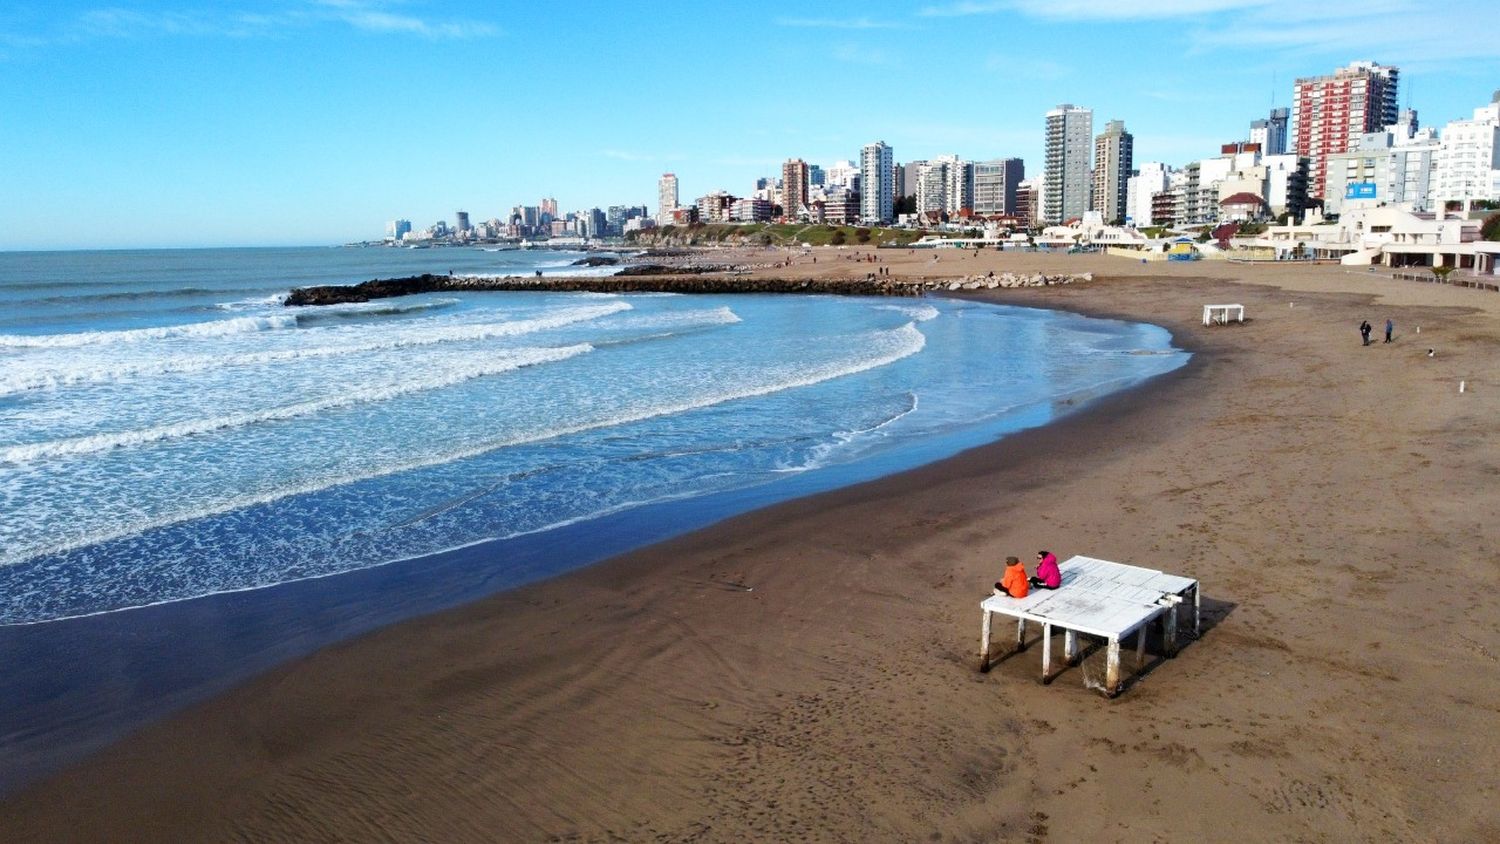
(1070, 646)
(1112, 668)
(984, 643)
(1140, 646)
(1020, 634)
(1046, 653)
(1169, 632)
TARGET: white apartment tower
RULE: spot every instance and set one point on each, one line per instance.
(1113, 161)
(666, 197)
(877, 177)
(1468, 158)
(1069, 151)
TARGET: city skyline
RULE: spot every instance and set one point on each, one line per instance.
(317, 122)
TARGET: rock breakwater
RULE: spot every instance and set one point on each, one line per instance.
(670, 280)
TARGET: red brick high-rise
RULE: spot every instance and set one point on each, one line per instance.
(1329, 113)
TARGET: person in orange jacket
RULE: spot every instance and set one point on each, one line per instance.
(1014, 583)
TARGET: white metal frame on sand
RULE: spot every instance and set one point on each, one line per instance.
(1096, 598)
(1219, 314)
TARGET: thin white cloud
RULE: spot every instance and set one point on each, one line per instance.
(373, 16)
(1091, 10)
(855, 54)
(838, 23)
(1400, 32)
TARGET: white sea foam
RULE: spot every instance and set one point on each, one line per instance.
(506, 362)
(216, 328)
(673, 319)
(919, 313)
(254, 302)
(23, 375)
(877, 350)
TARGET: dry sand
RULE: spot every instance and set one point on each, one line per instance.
(1336, 501)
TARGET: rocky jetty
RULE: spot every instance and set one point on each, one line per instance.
(672, 280)
(596, 261)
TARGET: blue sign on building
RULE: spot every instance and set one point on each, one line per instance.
(1360, 190)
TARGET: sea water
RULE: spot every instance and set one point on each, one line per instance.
(197, 483)
(168, 430)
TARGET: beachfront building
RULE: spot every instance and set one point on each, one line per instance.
(1468, 158)
(794, 186)
(1330, 113)
(842, 174)
(841, 205)
(1113, 161)
(1028, 201)
(752, 210)
(1069, 152)
(1391, 237)
(397, 229)
(995, 184)
(666, 197)
(715, 207)
(1396, 166)
(1270, 132)
(1141, 189)
(945, 186)
(877, 183)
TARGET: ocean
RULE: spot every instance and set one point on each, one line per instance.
(181, 454)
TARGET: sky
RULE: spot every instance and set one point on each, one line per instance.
(288, 122)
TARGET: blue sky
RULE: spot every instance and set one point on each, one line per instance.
(315, 121)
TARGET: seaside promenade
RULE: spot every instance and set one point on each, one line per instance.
(806, 672)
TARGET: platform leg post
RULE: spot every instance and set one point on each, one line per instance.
(1197, 608)
(1140, 647)
(1112, 668)
(1020, 634)
(1070, 646)
(1046, 653)
(984, 642)
(1169, 633)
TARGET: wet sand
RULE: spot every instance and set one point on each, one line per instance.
(808, 671)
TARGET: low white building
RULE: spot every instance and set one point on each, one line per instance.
(1388, 236)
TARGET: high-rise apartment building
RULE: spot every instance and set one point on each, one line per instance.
(1330, 113)
(1468, 158)
(877, 183)
(666, 197)
(995, 185)
(794, 186)
(1270, 132)
(1142, 188)
(1113, 161)
(397, 229)
(461, 221)
(945, 185)
(1069, 151)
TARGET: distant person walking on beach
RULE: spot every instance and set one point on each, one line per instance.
(1389, 327)
(1014, 582)
(1047, 574)
(1364, 331)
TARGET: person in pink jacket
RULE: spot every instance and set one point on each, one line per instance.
(1047, 575)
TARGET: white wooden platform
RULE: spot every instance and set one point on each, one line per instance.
(1221, 314)
(1096, 598)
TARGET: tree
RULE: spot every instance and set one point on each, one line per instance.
(862, 235)
(838, 237)
(1490, 228)
(1442, 272)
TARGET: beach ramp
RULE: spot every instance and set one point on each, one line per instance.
(1099, 598)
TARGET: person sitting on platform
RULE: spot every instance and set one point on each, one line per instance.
(1047, 574)
(1014, 582)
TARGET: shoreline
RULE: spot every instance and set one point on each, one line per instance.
(229, 637)
(837, 700)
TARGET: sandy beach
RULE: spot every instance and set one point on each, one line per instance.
(808, 671)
